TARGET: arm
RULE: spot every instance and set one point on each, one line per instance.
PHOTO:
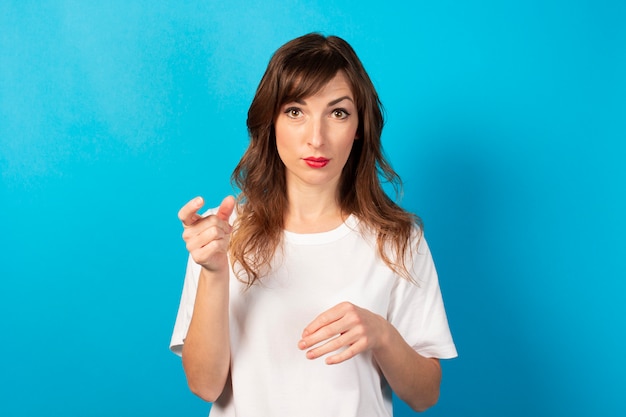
(206, 351)
(414, 378)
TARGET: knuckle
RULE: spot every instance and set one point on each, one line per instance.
(334, 332)
(196, 257)
(214, 234)
(340, 342)
(349, 352)
(353, 319)
(191, 244)
(348, 308)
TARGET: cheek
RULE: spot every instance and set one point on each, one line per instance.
(280, 135)
(286, 133)
(285, 145)
(348, 137)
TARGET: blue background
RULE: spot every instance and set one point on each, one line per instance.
(506, 120)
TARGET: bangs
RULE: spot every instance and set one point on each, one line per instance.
(305, 74)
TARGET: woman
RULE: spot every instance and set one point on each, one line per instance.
(317, 295)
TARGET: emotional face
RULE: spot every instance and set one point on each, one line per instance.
(314, 135)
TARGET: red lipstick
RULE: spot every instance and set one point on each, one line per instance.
(314, 162)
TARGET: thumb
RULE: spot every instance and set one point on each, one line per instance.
(226, 208)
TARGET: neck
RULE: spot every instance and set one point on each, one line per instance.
(312, 210)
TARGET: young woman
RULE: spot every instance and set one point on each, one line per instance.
(313, 294)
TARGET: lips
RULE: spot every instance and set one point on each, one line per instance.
(316, 162)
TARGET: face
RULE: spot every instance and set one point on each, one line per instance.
(314, 135)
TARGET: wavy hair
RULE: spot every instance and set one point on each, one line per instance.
(298, 70)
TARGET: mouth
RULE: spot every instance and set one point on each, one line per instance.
(316, 162)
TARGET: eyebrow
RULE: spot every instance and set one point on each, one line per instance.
(331, 103)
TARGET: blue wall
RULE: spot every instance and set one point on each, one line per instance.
(507, 121)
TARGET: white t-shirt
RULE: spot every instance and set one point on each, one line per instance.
(270, 376)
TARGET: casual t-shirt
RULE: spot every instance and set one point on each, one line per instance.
(269, 375)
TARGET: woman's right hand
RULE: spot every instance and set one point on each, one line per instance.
(206, 351)
(207, 238)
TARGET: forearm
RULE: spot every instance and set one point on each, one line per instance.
(206, 351)
(414, 378)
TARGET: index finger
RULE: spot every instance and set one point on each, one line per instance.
(324, 319)
(188, 213)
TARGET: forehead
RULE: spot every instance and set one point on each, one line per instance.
(338, 85)
(303, 86)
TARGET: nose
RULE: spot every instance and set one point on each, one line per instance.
(317, 136)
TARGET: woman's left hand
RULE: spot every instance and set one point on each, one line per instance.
(345, 328)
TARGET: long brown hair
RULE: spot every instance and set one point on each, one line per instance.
(297, 70)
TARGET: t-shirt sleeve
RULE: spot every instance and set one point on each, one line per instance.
(416, 309)
(185, 309)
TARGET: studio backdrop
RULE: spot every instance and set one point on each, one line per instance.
(505, 120)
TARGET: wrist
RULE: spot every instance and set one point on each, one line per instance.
(385, 336)
(214, 277)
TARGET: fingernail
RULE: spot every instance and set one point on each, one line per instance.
(302, 344)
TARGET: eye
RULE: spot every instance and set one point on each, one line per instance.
(340, 114)
(293, 112)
